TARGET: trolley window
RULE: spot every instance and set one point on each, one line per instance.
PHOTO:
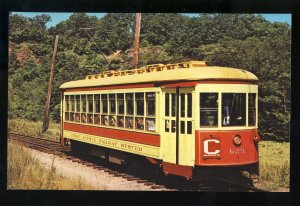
(112, 103)
(72, 103)
(97, 109)
(167, 125)
(139, 123)
(173, 126)
(97, 103)
(139, 106)
(150, 111)
(120, 110)
(83, 103)
(139, 98)
(112, 110)
(150, 124)
(182, 127)
(167, 104)
(120, 121)
(83, 108)
(90, 109)
(129, 122)
(189, 105)
(77, 103)
(72, 114)
(189, 127)
(150, 103)
(97, 119)
(208, 109)
(129, 103)
(252, 109)
(173, 104)
(104, 103)
(67, 118)
(182, 105)
(67, 108)
(112, 120)
(104, 120)
(67, 104)
(120, 102)
(233, 109)
(90, 103)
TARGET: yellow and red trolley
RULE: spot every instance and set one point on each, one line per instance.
(191, 119)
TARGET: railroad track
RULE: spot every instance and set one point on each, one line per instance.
(39, 144)
(152, 182)
(242, 186)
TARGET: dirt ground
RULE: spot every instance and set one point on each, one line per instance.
(98, 179)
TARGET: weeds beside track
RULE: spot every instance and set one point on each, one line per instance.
(25, 173)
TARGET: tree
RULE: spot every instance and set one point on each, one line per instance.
(114, 32)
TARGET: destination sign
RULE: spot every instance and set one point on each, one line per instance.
(132, 147)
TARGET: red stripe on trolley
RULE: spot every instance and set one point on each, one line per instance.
(127, 86)
(181, 84)
(227, 82)
(137, 137)
(194, 83)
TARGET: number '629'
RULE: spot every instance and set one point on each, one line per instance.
(237, 151)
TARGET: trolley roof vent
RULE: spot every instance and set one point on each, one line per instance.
(148, 68)
(154, 65)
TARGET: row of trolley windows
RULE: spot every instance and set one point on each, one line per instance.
(129, 110)
(233, 109)
(184, 126)
(170, 105)
(185, 111)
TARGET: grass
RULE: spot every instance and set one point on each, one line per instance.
(34, 129)
(274, 165)
(25, 173)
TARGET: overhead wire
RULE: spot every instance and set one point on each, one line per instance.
(94, 43)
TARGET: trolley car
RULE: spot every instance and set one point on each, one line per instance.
(190, 119)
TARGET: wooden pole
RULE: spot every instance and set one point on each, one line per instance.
(47, 105)
(136, 39)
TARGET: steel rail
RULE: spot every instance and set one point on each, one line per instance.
(249, 187)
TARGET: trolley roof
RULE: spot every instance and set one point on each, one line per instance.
(184, 71)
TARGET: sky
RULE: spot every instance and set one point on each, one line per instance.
(58, 17)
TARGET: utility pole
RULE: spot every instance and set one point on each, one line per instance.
(47, 105)
(136, 39)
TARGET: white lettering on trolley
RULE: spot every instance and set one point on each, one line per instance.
(206, 145)
(237, 151)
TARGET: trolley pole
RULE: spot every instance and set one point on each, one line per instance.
(136, 39)
(47, 105)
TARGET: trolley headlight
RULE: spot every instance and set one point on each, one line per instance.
(237, 140)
